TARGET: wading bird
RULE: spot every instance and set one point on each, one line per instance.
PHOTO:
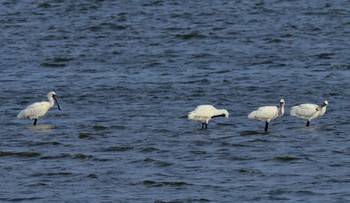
(204, 113)
(39, 109)
(309, 111)
(267, 113)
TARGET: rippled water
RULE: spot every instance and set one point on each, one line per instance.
(126, 74)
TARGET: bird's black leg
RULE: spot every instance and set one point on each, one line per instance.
(202, 125)
(266, 126)
(35, 120)
(308, 123)
(206, 126)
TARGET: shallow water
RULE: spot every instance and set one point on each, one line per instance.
(126, 74)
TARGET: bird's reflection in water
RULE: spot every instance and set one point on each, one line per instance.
(43, 127)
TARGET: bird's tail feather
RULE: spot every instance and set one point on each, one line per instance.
(21, 114)
(293, 111)
(191, 116)
(252, 115)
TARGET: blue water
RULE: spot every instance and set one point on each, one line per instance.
(126, 74)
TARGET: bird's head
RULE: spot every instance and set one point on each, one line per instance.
(281, 108)
(53, 95)
(225, 112)
(325, 103)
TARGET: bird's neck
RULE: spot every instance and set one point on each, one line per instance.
(323, 110)
(219, 113)
(280, 110)
(51, 101)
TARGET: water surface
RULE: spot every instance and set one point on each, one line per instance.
(126, 74)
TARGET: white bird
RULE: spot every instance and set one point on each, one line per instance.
(267, 113)
(203, 113)
(308, 111)
(39, 109)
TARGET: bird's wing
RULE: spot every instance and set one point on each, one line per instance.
(34, 110)
(202, 113)
(304, 110)
(308, 106)
(264, 113)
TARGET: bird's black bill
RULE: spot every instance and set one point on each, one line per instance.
(220, 115)
(54, 97)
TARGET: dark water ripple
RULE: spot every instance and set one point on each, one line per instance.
(127, 73)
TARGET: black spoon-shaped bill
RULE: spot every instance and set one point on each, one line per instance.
(54, 97)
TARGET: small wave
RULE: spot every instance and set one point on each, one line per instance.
(44, 5)
(99, 127)
(92, 176)
(286, 158)
(157, 162)
(186, 200)
(149, 149)
(341, 67)
(202, 143)
(53, 174)
(43, 143)
(249, 133)
(84, 135)
(113, 26)
(228, 144)
(165, 183)
(118, 149)
(118, 127)
(325, 55)
(273, 40)
(72, 156)
(106, 26)
(198, 152)
(19, 154)
(248, 171)
(60, 59)
(161, 130)
(76, 156)
(192, 35)
(24, 199)
(202, 55)
(52, 65)
(200, 82)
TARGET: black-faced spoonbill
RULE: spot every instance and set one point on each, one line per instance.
(39, 109)
(203, 113)
(309, 111)
(267, 113)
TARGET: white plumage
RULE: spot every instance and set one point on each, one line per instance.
(204, 113)
(267, 113)
(308, 111)
(39, 109)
